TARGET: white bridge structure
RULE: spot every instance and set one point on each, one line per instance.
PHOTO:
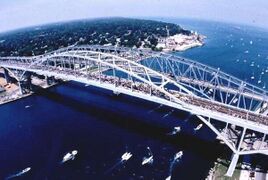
(234, 109)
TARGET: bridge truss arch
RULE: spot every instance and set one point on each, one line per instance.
(166, 79)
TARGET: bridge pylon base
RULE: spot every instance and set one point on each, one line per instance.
(232, 166)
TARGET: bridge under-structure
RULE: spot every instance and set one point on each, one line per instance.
(234, 109)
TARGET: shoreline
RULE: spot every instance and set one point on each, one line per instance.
(243, 171)
(21, 96)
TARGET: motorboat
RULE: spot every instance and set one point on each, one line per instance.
(126, 156)
(19, 173)
(168, 178)
(198, 127)
(147, 160)
(176, 130)
(178, 155)
(69, 156)
(25, 170)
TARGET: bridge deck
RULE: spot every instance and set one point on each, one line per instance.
(145, 88)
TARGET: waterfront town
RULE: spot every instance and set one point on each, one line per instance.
(180, 42)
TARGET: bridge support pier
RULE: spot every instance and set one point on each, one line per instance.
(25, 84)
(232, 166)
(7, 77)
(50, 80)
(235, 156)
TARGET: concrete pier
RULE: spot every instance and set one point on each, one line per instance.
(232, 166)
(7, 77)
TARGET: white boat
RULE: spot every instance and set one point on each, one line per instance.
(176, 130)
(168, 178)
(147, 160)
(178, 155)
(235, 100)
(25, 170)
(198, 127)
(28, 106)
(126, 156)
(259, 81)
(19, 173)
(69, 156)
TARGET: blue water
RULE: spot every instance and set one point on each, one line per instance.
(232, 48)
(102, 126)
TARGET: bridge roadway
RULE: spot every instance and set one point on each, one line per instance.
(195, 101)
(202, 83)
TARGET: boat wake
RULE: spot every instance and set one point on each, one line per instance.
(124, 158)
(169, 113)
(158, 107)
(20, 173)
(175, 160)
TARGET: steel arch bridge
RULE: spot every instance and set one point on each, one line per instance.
(212, 95)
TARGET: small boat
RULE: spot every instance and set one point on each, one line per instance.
(235, 100)
(251, 42)
(19, 173)
(246, 52)
(149, 159)
(126, 156)
(198, 127)
(28, 106)
(178, 155)
(69, 156)
(25, 170)
(252, 77)
(176, 130)
(168, 178)
(259, 81)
